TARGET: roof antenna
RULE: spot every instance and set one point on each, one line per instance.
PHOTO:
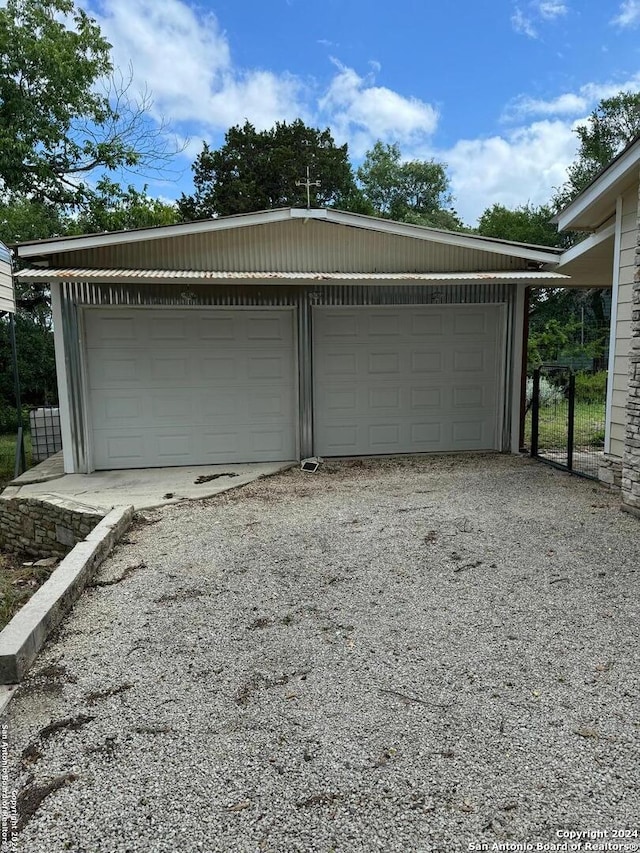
(308, 184)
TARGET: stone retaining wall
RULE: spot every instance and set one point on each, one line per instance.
(631, 462)
(45, 526)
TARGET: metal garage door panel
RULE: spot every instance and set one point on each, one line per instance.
(190, 387)
(406, 379)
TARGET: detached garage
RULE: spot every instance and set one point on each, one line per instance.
(283, 334)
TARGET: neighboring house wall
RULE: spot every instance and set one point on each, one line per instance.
(7, 301)
(631, 463)
(623, 323)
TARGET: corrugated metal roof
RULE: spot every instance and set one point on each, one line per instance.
(291, 246)
(86, 274)
(350, 221)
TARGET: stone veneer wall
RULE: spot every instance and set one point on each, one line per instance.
(44, 527)
(610, 471)
(631, 461)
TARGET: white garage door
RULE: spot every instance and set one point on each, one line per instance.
(189, 387)
(406, 380)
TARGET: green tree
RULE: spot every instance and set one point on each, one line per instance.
(112, 208)
(108, 208)
(566, 322)
(525, 224)
(258, 170)
(63, 114)
(23, 218)
(563, 322)
(415, 191)
(36, 362)
(609, 128)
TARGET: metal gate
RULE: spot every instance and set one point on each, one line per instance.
(567, 428)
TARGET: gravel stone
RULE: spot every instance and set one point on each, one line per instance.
(408, 654)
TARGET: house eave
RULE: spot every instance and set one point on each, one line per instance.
(590, 262)
(597, 202)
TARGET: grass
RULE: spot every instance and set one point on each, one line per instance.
(589, 425)
(8, 455)
(17, 584)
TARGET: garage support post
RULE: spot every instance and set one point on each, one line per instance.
(305, 375)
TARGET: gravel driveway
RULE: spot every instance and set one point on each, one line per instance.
(417, 654)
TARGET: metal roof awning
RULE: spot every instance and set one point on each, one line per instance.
(125, 276)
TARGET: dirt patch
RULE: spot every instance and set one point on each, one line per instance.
(32, 752)
(180, 595)
(18, 583)
(125, 574)
(71, 723)
(32, 795)
(48, 680)
(208, 478)
(97, 695)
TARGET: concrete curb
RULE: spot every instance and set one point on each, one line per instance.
(24, 636)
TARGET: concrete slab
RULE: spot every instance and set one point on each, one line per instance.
(144, 488)
(50, 469)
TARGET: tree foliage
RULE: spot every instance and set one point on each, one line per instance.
(63, 112)
(566, 323)
(525, 224)
(258, 169)
(22, 219)
(609, 128)
(109, 208)
(415, 191)
(36, 362)
(113, 208)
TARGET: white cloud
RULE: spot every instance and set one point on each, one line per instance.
(550, 9)
(574, 104)
(361, 112)
(522, 24)
(567, 104)
(628, 14)
(185, 60)
(537, 11)
(521, 166)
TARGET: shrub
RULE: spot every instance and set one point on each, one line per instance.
(550, 394)
(597, 439)
(9, 418)
(591, 387)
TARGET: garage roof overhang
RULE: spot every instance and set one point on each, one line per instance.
(123, 276)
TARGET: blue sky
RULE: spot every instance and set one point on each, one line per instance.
(494, 89)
